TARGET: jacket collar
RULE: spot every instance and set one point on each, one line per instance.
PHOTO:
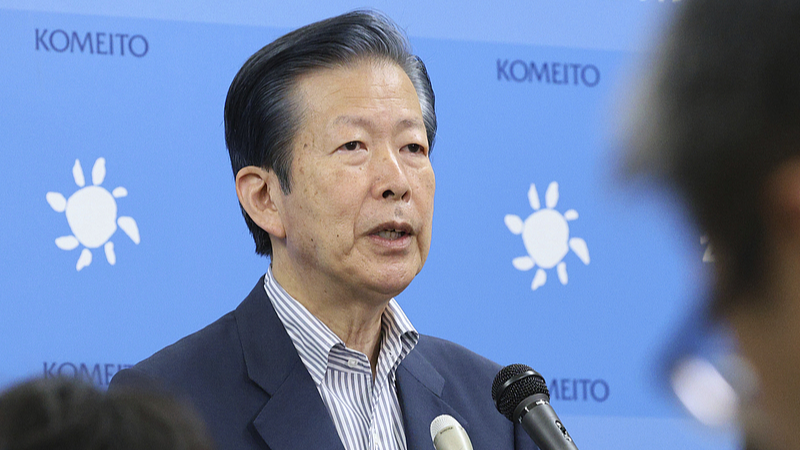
(295, 416)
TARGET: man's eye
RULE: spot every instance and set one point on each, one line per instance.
(353, 145)
(415, 148)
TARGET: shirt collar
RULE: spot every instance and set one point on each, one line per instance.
(314, 340)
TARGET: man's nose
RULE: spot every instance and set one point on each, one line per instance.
(391, 179)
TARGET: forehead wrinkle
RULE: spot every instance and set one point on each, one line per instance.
(359, 121)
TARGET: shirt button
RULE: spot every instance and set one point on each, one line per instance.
(352, 362)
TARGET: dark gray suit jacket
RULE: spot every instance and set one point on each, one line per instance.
(244, 376)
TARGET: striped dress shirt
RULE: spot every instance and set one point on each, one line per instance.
(366, 412)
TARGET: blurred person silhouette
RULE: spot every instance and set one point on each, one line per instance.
(69, 414)
(719, 122)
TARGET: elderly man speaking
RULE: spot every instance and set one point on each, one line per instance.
(330, 130)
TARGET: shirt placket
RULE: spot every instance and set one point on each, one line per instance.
(375, 438)
(354, 363)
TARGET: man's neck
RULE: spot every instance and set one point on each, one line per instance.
(354, 319)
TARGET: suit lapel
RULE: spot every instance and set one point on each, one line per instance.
(294, 416)
(419, 390)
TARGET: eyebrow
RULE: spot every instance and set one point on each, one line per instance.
(365, 122)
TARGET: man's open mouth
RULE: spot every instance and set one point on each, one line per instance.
(392, 234)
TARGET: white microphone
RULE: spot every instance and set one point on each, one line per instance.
(448, 434)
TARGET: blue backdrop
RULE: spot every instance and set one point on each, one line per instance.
(97, 97)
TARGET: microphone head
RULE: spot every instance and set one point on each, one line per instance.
(448, 434)
(513, 384)
(442, 422)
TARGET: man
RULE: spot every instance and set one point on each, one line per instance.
(721, 124)
(329, 130)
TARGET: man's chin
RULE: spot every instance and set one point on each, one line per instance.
(391, 290)
(389, 286)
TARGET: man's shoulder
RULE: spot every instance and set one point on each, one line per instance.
(208, 370)
(181, 363)
(199, 348)
(204, 355)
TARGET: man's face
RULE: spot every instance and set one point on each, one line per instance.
(358, 218)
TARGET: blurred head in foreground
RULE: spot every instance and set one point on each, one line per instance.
(720, 124)
(67, 414)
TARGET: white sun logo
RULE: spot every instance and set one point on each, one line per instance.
(92, 215)
(545, 234)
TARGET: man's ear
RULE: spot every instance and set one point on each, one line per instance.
(259, 193)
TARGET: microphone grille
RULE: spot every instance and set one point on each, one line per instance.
(441, 422)
(507, 396)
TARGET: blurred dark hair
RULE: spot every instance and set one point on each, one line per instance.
(261, 112)
(64, 414)
(721, 114)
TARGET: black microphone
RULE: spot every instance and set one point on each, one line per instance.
(521, 394)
